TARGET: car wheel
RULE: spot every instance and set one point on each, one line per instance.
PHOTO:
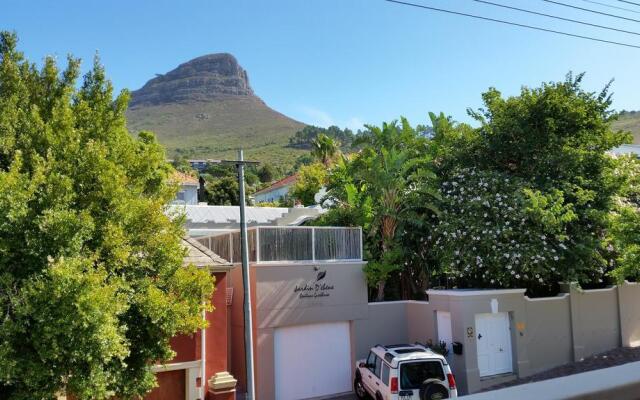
(359, 390)
(433, 391)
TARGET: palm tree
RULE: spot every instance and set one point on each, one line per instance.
(324, 148)
(397, 169)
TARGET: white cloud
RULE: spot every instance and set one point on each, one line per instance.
(315, 116)
(354, 123)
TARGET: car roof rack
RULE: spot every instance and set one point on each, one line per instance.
(396, 346)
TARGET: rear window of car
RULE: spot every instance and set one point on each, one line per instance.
(413, 374)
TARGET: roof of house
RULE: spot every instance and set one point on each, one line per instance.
(183, 179)
(202, 257)
(201, 219)
(231, 214)
(286, 181)
(626, 149)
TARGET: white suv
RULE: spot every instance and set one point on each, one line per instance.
(404, 372)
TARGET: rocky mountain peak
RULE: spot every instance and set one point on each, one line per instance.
(208, 77)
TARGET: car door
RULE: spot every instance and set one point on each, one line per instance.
(384, 382)
(377, 385)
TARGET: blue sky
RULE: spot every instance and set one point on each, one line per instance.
(343, 62)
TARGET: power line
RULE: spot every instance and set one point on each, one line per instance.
(557, 17)
(629, 2)
(611, 6)
(591, 11)
(512, 23)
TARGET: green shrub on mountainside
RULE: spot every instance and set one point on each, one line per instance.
(629, 121)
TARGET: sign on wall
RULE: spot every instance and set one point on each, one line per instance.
(315, 287)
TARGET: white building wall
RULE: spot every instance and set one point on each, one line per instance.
(273, 195)
(188, 195)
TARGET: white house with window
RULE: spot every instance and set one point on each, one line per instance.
(188, 193)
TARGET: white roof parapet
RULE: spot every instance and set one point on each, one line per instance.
(223, 217)
(231, 214)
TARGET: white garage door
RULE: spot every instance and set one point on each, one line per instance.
(312, 360)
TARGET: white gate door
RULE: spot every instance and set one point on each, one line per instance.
(312, 360)
(443, 320)
(494, 344)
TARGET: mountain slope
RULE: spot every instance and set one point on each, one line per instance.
(630, 121)
(205, 108)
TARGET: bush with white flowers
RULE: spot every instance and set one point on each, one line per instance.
(494, 231)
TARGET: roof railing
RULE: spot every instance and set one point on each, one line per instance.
(294, 244)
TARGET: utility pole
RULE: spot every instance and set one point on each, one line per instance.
(246, 282)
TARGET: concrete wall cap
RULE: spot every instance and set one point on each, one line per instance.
(222, 381)
(557, 297)
(474, 292)
(375, 303)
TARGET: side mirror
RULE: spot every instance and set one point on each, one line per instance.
(362, 365)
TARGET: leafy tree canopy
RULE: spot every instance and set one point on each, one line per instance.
(91, 279)
(223, 191)
(311, 179)
(266, 173)
(526, 200)
(303, 138)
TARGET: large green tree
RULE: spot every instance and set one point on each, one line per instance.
(543, 155)
(91, 279)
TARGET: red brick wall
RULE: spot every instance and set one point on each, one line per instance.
(236, 317)
(171, 386)
(217, 338)
(188, 347)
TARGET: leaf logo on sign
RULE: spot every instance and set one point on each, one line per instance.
(321, 275)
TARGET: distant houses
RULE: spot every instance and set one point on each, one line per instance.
(277, 191)
(188, 194)
(626, 149)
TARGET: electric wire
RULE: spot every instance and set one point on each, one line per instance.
(512, 23)
(629, 2)
(557, 17)
(590, 10)
(611, 6)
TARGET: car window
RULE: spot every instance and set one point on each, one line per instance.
(378, 367)
(371, 360)
(413, 374)
(385, 374)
